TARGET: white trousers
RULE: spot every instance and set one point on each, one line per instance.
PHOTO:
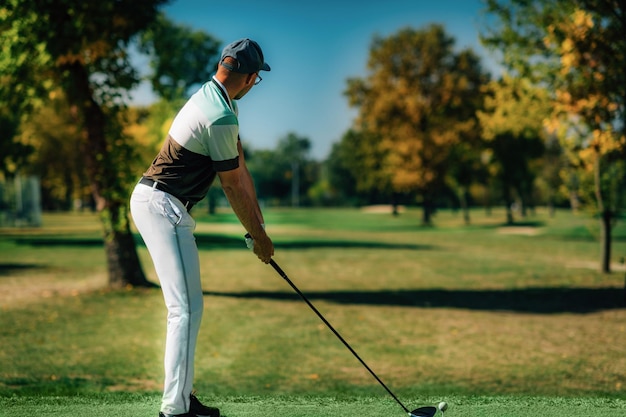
(167, 229)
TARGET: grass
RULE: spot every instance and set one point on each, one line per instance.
(495, 320)
(300, 406)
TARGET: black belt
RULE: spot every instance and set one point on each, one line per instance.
(154, 184)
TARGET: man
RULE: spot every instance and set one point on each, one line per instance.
(203, 142)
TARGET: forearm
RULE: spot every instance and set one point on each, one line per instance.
(248, 183)
(246, 208)
(239, 189)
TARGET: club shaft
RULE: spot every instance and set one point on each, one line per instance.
(335, 332)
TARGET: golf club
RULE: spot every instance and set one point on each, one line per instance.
(418, 412)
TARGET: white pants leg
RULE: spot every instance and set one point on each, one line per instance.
(167, 229)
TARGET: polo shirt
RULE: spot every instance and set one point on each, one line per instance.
(202, 141)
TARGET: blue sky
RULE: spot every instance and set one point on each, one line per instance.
(313, 47)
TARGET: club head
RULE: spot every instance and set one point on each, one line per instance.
(424, 412)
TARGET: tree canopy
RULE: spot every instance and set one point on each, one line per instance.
(417, 103)
(180, 57)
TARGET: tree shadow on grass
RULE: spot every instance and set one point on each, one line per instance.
(215, 241)
(522, 224)
(57, 241)
(209, 241)
(535, 300)
(8, 268)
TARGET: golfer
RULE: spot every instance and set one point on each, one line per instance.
(203, 142)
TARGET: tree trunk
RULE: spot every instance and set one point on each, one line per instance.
(427, 211)
(508, 202)
(109, 194)
(123, 264)
(464, 200)
(487, 199)
(394, 204)
(605, 240)
(551, 208)
(605, 216)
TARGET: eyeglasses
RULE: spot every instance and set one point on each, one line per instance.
(258, 79)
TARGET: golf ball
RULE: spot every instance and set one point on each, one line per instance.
(443, 406)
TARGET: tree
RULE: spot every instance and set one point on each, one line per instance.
(418, 102)
(50, 131)
(294, 149)
(512, 124)
(550, 180)
(21, 86)
(181, 58)
(81, 47)
(286, 172)
(356, 168)
(578, 49)
(467, 166)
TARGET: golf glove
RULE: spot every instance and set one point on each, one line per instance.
(250, 241)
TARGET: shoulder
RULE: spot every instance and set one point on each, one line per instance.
(210, 101)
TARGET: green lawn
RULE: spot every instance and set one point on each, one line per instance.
(310, 406)
(498, 321)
